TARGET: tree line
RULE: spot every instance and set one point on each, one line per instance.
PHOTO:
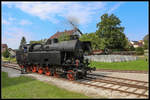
(109, 34)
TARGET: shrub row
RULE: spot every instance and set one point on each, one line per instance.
(138, 51)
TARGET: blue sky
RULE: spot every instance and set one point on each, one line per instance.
(39, 20)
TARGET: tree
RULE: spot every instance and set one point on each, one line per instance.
(139, 51)
(93, 38)
(6, 53)
(131, 48)
(146, 41)
(23, 42)
(64, 37)
(111, 33)
(42, 41)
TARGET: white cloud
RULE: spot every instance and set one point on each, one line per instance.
(115, 7)
(83, 11)
(8, 21)
(25, 22)
(13, 35)
(13, 21)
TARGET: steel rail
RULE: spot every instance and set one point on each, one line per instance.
(119, 83)
(114, 89)
(123, 71)
(118, 78)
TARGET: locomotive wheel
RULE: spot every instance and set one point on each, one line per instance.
(71, 75)
(55, 74)
(21, 66)
(23, 70)
(40, 71)
(47, 71)
(34, 69)
(28, 69)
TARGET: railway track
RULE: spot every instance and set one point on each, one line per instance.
(11, 66)
(129, 86)
(122, 85)
(123, 71)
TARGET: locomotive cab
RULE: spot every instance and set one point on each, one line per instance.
(22, 54)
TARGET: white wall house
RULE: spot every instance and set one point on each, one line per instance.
(136, 44)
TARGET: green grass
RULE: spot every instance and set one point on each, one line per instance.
(140, 64)
(26, 87)
(9, 59)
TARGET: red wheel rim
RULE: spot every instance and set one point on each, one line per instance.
(40, 71)
(70, 75)
(47, 72)
(34, 69)
(21, 66)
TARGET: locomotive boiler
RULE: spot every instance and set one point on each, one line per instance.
(60, 59)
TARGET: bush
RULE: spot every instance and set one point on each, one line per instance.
(131, 48)
(139, 51)
(6, 54)
(63, 37)
(116, 50)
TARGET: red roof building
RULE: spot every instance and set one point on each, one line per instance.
(4, 47)
(57, 34)
(68, 32)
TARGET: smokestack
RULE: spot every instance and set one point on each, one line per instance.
(73, 21)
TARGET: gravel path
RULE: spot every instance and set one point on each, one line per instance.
(11, 72)
(134, 76)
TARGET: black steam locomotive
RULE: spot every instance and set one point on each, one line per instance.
(64, 59)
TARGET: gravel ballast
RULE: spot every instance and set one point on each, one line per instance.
(11, 72)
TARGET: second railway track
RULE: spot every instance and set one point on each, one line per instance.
(129, 86)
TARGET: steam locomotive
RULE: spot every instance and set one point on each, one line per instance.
(59, 59)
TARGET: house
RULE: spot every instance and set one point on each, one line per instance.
(12, 52)
(68, 32)
(4, 47)
(141, 43)
(136, 44)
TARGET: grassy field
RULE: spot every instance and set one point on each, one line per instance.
(140, 64)
(26, 87)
